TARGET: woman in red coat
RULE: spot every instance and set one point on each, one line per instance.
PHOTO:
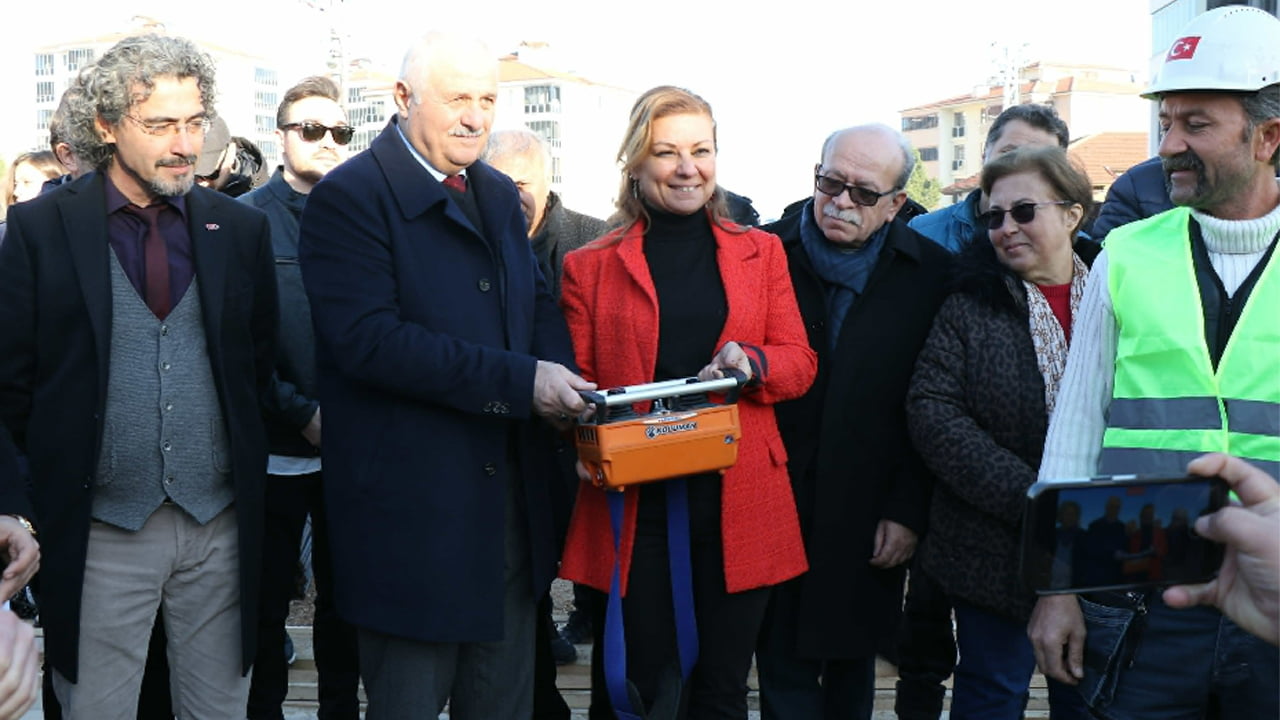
(678, 291)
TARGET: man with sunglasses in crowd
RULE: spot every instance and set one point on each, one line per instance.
(868, 287)
(137, 331)
(230, 164)
(314, 136)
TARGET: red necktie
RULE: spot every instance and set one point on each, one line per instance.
(156, 256)
(456, 182)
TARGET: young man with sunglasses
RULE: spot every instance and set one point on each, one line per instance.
(314, 135)
(868, 287)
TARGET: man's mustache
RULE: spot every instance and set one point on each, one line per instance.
(179, 161)
(1185, 160)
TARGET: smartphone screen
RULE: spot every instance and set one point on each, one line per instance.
(1119, 533)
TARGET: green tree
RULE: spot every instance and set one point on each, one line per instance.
(922, 188)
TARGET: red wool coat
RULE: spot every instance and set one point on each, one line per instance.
(612, 310)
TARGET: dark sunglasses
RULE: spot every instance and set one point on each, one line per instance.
(314, 132)
(1022, 213)
(865, 197)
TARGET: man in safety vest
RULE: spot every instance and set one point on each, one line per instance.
(1176, 352)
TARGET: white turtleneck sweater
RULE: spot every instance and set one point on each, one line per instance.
(1074, 441)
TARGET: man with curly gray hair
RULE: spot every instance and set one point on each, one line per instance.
(137, 326)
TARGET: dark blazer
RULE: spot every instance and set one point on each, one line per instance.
(55, 324)
(1138, 193)
(851, 461)
(427, 335)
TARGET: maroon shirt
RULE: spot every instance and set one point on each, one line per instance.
(127, 234)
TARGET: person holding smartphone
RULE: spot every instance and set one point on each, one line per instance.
(978, 408)
(1247, 588)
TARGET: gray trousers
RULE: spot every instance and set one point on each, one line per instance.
(195, 569)
(408, 679)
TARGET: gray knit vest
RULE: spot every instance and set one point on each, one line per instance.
(163, 434)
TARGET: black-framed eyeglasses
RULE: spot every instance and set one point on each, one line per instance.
(1022, 213)
(865, 197)
(195, 126)
(314, 132)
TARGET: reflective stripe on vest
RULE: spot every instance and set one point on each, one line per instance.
(1168, 405)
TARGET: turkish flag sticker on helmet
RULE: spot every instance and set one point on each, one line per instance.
(1183, 49)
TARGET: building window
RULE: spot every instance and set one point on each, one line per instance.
(555, 170)
(548, 129)
(355, 95)
(957, 125)
(957, 158)
(1268, 5)
(542, 99)
(44, 64)
(928, 154)
(265, 100)
(920, 122)
(44, 91)
(265, 124)
(78, 58)
(270, 151)
(264, 76)
(42, 119)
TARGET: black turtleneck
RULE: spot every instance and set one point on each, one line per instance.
(681, 252)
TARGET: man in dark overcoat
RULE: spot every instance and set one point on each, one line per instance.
(437, 343)
(868, 288)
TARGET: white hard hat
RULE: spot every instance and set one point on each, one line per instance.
(1234, 48)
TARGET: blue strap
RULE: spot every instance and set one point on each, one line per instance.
(681, 566)
(615, 640)
(678, 554)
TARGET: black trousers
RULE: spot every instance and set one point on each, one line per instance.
(727, 623)
(289, 499)
(926, 649)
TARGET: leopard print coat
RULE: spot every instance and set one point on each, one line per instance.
(977, 416)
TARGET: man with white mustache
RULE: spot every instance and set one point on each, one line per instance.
(438, 343)
(868, 287)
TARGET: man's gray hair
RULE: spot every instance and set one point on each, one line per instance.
(904, 145)
(517, 141)
(1260, 107)
(73, 123)
(127, 73)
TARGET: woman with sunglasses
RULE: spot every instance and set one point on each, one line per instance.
(978, 410)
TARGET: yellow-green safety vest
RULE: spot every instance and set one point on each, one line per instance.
(1168, 404)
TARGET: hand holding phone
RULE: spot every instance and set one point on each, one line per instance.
(1247, 588)
(1119, 533)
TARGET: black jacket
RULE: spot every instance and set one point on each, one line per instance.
(292, 401)
(55, 325)
(1139, 193)
(851, 461)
